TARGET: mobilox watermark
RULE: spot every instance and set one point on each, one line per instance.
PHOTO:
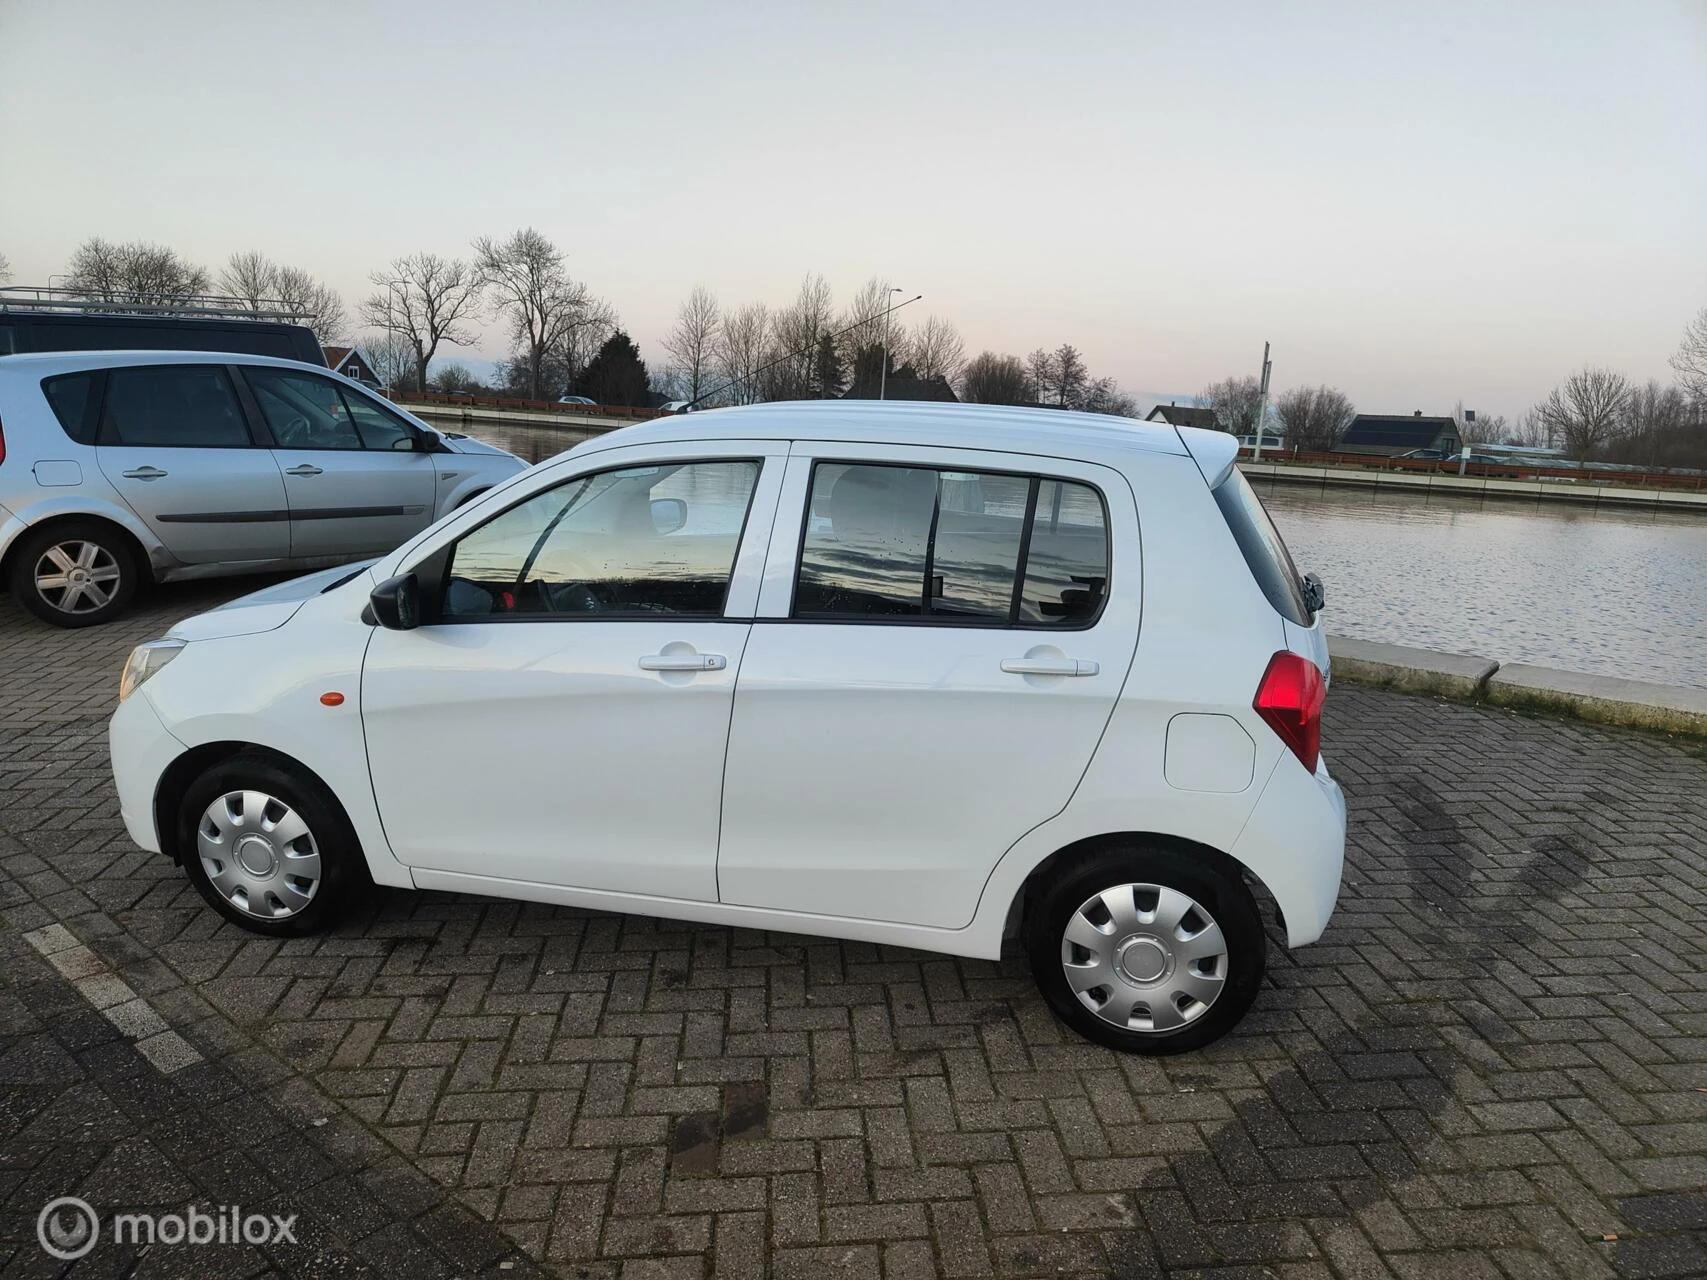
(69, 1227)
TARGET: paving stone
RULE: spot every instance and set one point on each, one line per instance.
(1490, 1062)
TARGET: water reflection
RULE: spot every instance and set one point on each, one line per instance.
(1607, 592)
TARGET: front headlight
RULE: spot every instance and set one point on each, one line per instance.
(144, 661)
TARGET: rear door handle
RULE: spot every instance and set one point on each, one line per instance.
(144, 473)
(1049, 667)
(684, 662)
(303, 469)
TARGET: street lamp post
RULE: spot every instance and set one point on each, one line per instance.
(883, 353)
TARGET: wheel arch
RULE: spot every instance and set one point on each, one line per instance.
(1030, 887)
(182, 773)
(139, 552)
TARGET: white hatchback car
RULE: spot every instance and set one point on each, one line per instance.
(915, 674)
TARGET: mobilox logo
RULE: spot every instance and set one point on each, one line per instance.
(69, 1227)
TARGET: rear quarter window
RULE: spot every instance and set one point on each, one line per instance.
(72, 398)
(1261, 545)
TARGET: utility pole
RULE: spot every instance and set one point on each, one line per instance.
(883, 357)
(1262, 405)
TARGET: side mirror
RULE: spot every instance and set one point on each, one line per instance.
(395, 604)
(668, 514)
(1315, 594)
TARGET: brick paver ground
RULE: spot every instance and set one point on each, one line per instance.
(1494, 1064)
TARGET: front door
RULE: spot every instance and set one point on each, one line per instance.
(936, 657)
(561, 719)
(356, 485)
(173, 440)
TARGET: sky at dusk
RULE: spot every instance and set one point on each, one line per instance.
(1420, 204)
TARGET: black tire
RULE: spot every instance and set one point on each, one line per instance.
(343, 877)
(1222, 895)
(112, 551)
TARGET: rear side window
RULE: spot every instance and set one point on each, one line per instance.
(892, 543)
(72, 397)
(176, 406)
(1264, 551)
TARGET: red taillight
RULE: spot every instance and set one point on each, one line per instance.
(1290, 699)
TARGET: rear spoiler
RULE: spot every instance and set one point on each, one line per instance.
(1215, 452)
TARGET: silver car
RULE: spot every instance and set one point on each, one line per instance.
(120, 467)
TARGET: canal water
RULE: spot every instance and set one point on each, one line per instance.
(1609, 592)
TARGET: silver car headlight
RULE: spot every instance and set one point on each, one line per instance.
(144, 661)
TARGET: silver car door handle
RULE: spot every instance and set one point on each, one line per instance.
(144, 473)
(1049, 667)
(683, 662)
(303, 469)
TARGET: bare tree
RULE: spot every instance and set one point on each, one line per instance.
(455, 376)
(393, 359)
(1234, 402)
(1587, 413)
(582, 337)
(1041, 366)
(5, 269)
(1690, 362)
(742, 350)
(995, 379)
(936, 350)
(136, 273)
(1103, 395)
(1071, 376)
(864, 323)
(795, 333)
(1531, 432)
(535, 294)
(1314, 418)
(426, 300)
(692, 343)
(262, 285)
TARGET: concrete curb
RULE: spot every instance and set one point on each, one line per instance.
(1396, 666)
(1469, 678)
(1606, 699)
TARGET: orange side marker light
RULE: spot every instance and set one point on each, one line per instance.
(332, 699)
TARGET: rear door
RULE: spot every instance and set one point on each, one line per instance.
(174, 441)
(942, 637)
(354, 481)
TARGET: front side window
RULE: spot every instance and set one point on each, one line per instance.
(637, 542)
(303, 411)
(380, 428)
(178, 406)
(897, 543)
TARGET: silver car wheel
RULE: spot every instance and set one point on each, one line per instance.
(1144, 957)
(77, 576)
(259, 854)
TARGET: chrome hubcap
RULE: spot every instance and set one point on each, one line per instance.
(1144, 957)
(258, 854)
(77, 577)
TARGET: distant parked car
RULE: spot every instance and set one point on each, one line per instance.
(896, 673)
(576, 400)
(1433, 455)
(121, 467)
(676, 406)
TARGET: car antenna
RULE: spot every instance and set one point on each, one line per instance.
(790, 355)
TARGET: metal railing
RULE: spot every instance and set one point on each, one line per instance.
(43, 298)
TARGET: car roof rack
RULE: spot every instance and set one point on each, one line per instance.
(39, 299)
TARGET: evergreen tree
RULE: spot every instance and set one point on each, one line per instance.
(616, 375)
(828, 375)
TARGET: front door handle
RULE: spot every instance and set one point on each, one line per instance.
(1049, 667)
(303, 469)
(145, 473)
(683, 662)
